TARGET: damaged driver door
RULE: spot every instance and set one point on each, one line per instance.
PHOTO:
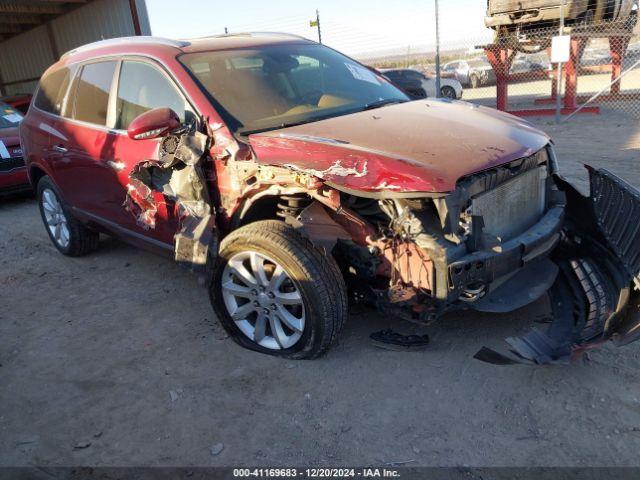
(596, 295)
(143, 86)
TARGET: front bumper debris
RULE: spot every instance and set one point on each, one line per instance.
(489, 265)
(595, 297)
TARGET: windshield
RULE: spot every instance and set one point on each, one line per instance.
(259, 89)
(9, 116)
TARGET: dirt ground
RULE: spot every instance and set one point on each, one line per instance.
(120, 353)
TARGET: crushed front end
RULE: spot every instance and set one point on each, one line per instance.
(466, 249)
(502, 239)
(493, 229)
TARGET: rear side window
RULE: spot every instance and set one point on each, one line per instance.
(143, 87)
(52, 90)
(412, 75)
(92, 92)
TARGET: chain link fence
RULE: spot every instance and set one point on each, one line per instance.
(509, 65)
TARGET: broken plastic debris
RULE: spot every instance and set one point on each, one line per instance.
(217, 449)
(390, 340)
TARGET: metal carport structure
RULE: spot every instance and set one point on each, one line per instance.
(33, 34)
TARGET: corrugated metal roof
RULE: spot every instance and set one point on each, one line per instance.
(98, 21)
(16, 64)
(27, 55)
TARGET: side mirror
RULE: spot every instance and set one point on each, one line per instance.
(153, 124)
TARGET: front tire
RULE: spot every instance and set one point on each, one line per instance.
(275, 293)
(448, 92)
(68, 235)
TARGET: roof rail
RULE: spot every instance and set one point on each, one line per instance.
(293, 35)
(248, 34)
(138, 40)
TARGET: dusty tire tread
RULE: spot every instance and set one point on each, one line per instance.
(332, 294)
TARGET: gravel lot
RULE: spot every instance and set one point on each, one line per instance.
(120, 350)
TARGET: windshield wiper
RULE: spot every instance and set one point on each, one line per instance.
(245, 133)
(382, 103)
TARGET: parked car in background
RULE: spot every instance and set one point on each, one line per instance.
(537, 61)
(294, 178)
(471, 73)
(530, 67)
(595, 60)
(449, 87)
(411, 86)
(19, 101)
(13, 173)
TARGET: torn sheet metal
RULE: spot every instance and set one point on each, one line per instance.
(179, 176)
(335, 170)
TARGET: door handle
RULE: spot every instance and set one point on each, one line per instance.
(60, 148)
(115, 165)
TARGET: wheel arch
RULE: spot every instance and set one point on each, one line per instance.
(35, 173)
(263, 206)
(253, 209)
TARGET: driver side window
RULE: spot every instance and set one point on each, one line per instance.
(141, 88)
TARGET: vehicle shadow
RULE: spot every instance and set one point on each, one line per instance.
(468, 329)
(8, 199)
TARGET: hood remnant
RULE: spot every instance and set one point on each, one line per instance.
(179, 176)
(421, 146)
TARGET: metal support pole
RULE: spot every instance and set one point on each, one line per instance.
(559, 78)
(318, 25)
(3, 88)
(437, 51)
(135, 19)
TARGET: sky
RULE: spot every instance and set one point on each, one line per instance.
(355, 27)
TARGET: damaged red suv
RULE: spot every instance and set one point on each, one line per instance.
(294, 179)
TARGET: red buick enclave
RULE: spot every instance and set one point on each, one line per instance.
(294, 178)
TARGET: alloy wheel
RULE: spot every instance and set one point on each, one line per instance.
(448, 92)
(263, 300)
(55, 218)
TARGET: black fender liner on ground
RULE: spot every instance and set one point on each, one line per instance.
(596, 295)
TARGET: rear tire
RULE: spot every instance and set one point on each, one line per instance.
(315, 298)
(69, 236)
